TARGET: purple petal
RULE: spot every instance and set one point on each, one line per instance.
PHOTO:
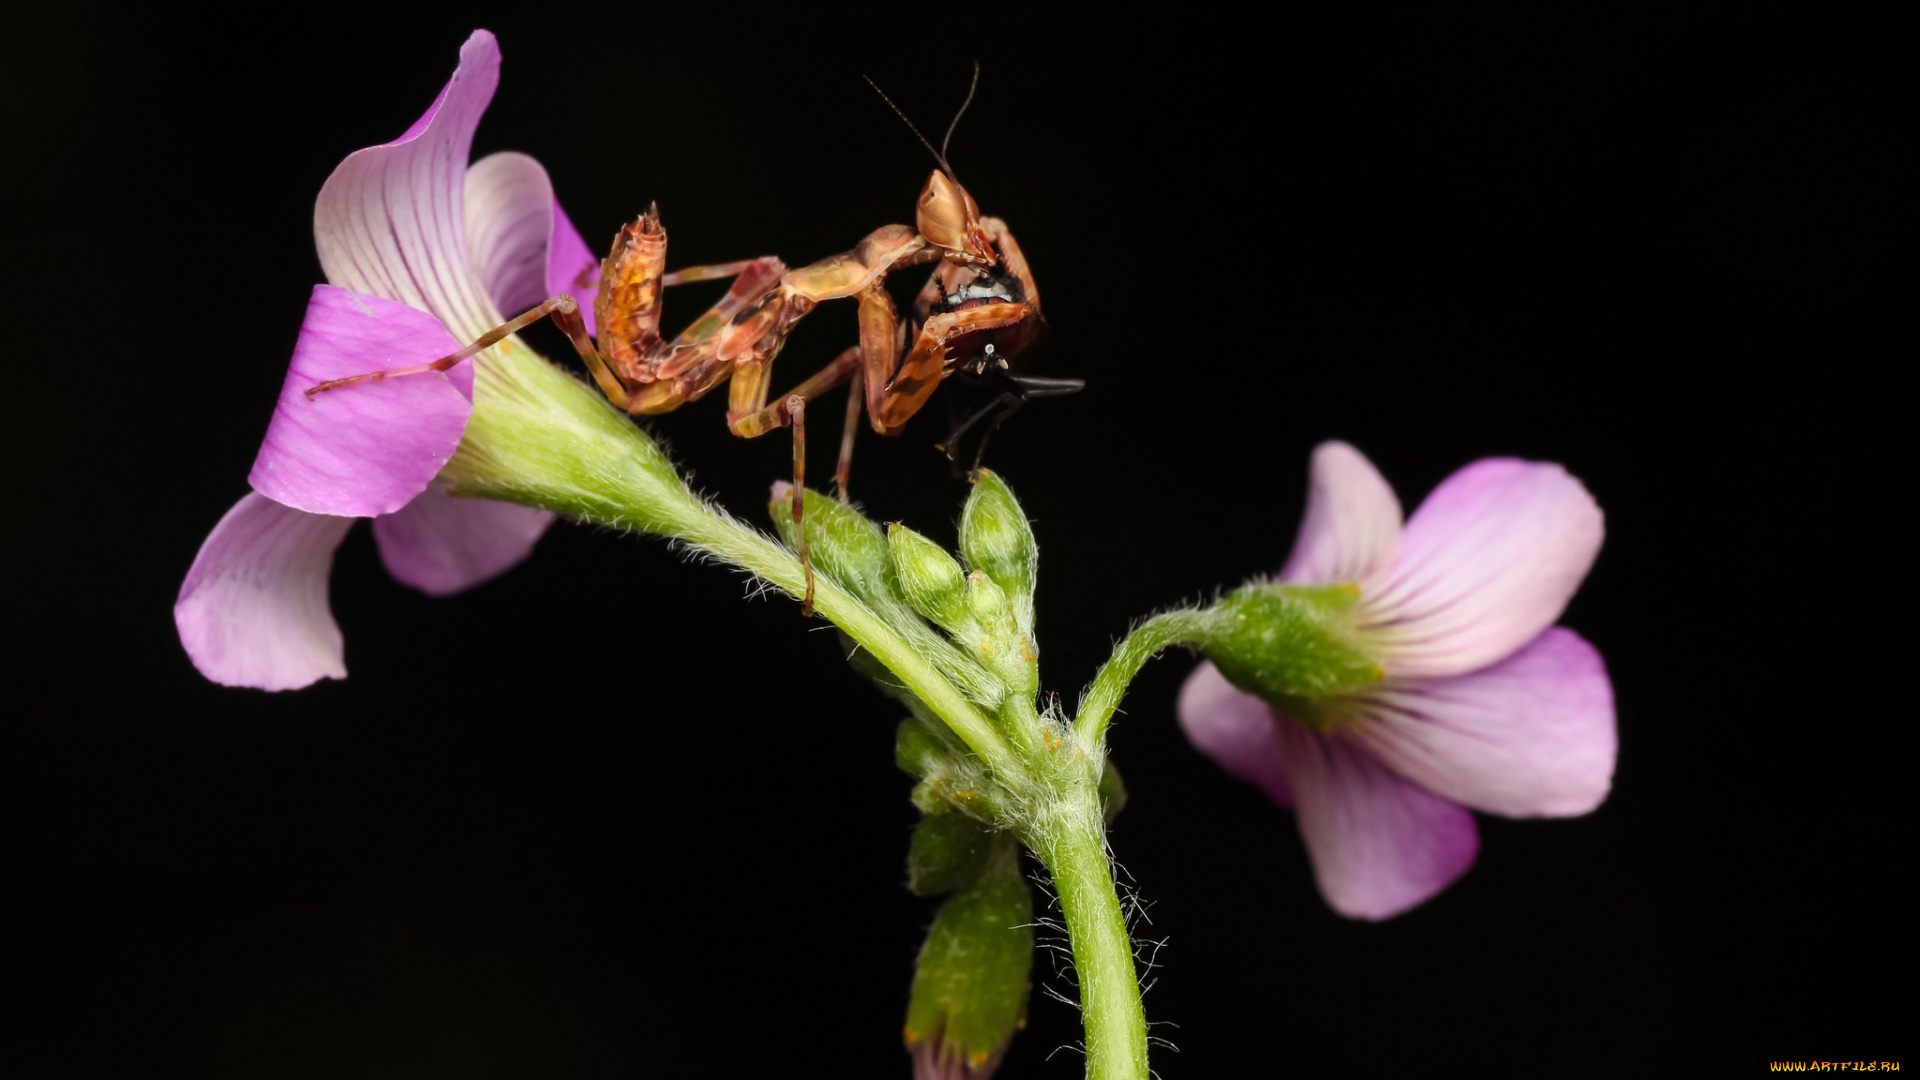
(369, 448)
(509, 221)
(391, 221)
(253, 610)
(1530, 736)
(571, 267)
(1380, 845)
(1233, 728)
(933, 1060)
(1352, 524)
(1486, 563)
(442, 545)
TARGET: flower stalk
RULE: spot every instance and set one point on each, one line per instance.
(1186, 626)
(1071, 842)
(540, 437)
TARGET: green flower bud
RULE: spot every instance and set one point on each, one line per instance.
(970, 984)
(930, 578)
(850, 550)
(1292, 645)
(843, 544)
(995, 537)
(988, 604)
(947, 854)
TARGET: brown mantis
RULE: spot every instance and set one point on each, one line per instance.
(978, 310)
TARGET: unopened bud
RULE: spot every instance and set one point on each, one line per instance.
(931, 579)
(843, 544)
(995, 537)
(970, 985)
(947, 853)
(988, 603)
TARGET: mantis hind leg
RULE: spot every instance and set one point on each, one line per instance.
(791, 411)
(843, 470)
(796, 409)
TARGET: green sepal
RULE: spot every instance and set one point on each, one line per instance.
(971, 981)
(946, 854)
(933, 582)
(995, 537)
(1294, 646)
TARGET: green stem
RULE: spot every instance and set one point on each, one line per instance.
(1144, 643)
(1073, 847)
(540, 437)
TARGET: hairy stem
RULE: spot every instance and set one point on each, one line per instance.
(1073, 847)
(542, 438)
(1143, 644)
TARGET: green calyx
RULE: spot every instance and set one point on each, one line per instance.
(542, 438)
(1294, 646)
(971, 981)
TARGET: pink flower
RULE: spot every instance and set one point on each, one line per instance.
(422, 254)
(1485, 704)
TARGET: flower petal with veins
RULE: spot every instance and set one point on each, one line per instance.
(1484, 705)
(422, 252)
(442, 545)
(1530, 736)
(525, 249)
(1352, 524)
(1486, 563)
(1379, 844)
(391, 220)
(253, 610)
(509, 218)
(368, 448)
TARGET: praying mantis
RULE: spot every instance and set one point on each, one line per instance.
(978, 310)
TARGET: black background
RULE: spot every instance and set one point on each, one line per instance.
(1662, 250)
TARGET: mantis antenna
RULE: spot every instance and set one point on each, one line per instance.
(939, 155)
(971, 87)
